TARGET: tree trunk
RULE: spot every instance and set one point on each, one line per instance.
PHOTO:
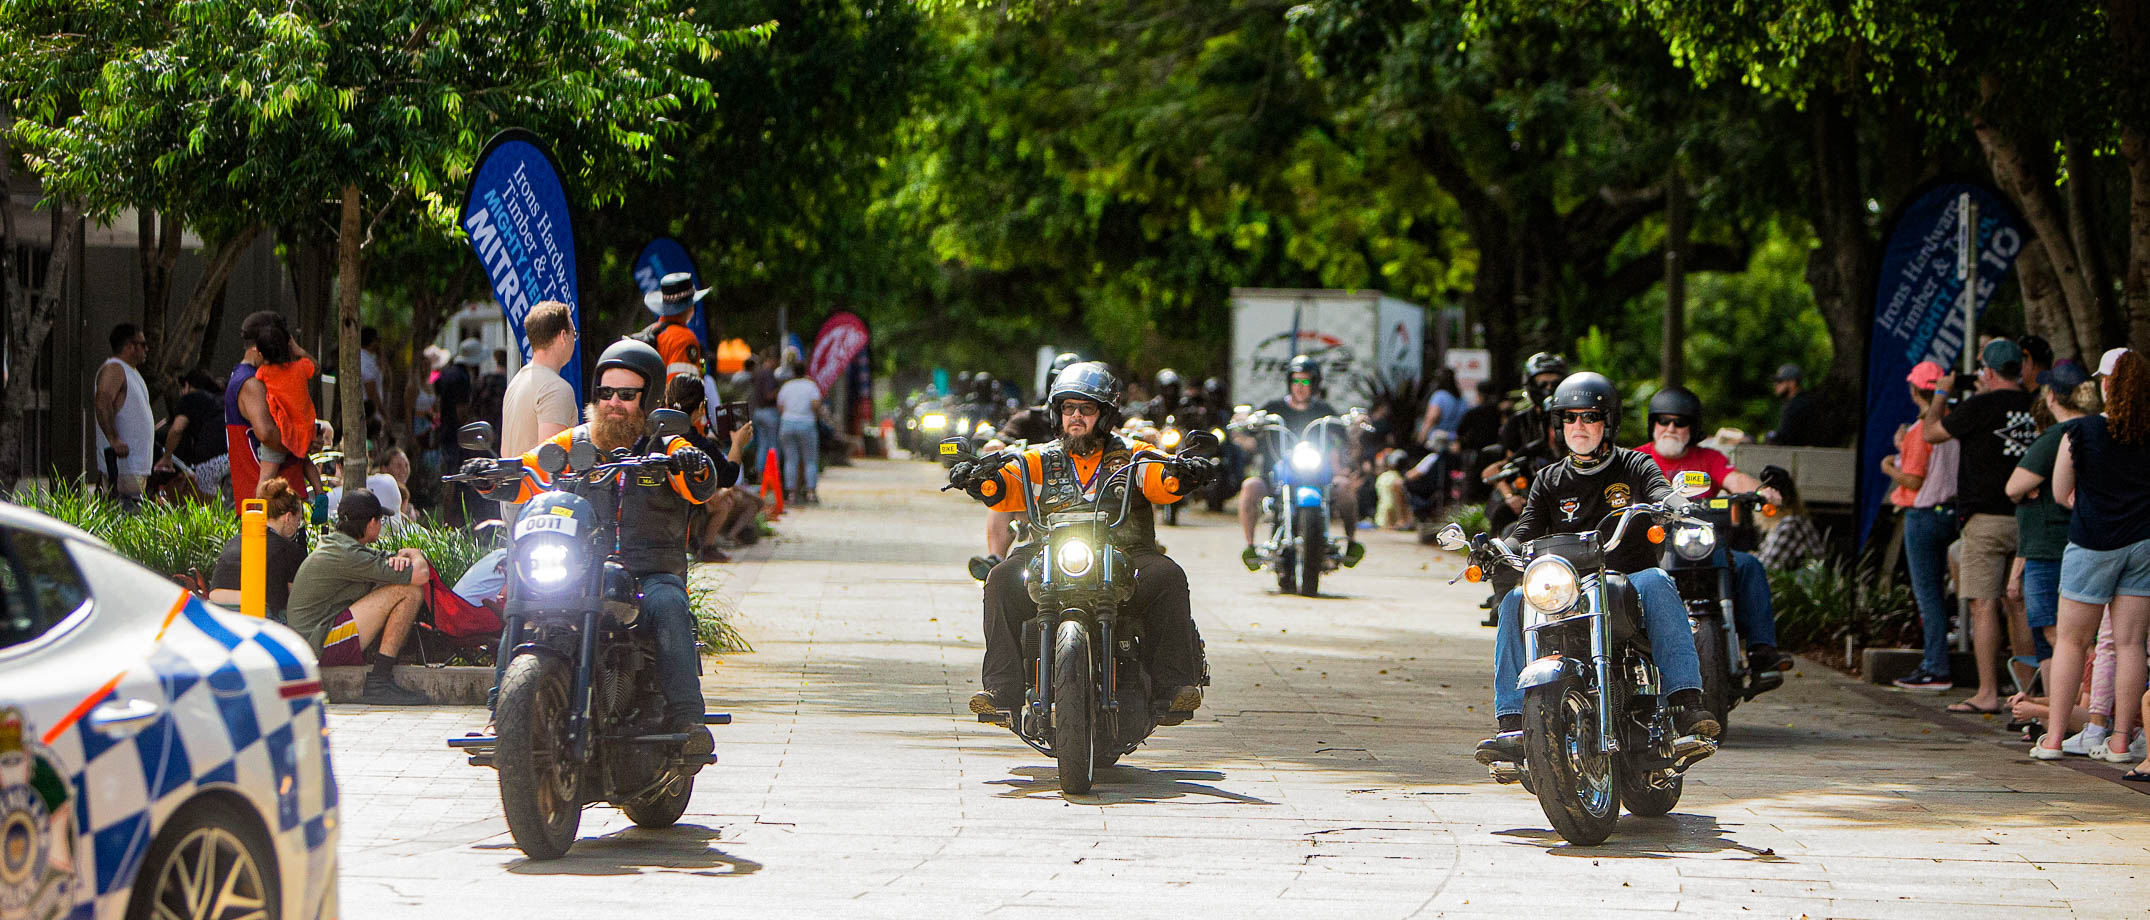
(1672, 352)
(30, 319)
(2031, 188)
(2135, 289)
(193, 317)
(350, 391)
(158, 238)
(1840, 270)
(2045, 312)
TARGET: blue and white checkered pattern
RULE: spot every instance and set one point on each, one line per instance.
(224, 724)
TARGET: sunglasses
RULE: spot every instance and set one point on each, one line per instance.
(1086, 410)
(624, 394)
(1303, 381)
(1582, 417)
(1669, 421)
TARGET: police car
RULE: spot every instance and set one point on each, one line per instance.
(159, 756)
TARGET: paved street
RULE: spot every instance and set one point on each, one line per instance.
(1328, 776)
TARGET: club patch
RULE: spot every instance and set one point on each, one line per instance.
(1568, 507)
(1617, 495)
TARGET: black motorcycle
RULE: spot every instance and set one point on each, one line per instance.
(580, 715)
(1596, 733)
(1087, 699)
(1699, 558)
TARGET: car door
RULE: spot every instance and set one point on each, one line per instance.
(47, 678)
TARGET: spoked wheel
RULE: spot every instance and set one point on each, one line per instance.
(208, 864)
(1718, 692)
(1649, 797)
(537, 784)
(1074, 698)
(1313, 538)
(1573, 779)
(663, 807)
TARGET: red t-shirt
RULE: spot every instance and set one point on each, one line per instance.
(1700, 458)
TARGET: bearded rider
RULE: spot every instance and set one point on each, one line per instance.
(1067, 472)
(1675, 427)
(653, 522)
(1301, 404)
(1574, 495)
(1028, 425)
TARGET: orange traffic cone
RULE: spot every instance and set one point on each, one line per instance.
(772, 479)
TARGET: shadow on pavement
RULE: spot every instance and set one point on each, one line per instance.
(682, 849)
(1124, 785)
(1661, 837)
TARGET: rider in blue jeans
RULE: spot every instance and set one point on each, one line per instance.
(1593, 480)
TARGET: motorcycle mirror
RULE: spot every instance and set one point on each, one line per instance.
(476, 437)
(552, 458)
(1693, 483)
(1452, 537)
(1199, 443)
(956, 449)
(583, 455)
(668, 423)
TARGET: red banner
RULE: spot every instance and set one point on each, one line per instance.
(840, 340)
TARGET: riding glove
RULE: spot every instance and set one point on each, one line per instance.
(690, 462)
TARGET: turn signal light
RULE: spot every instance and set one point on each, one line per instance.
(1769, 511)
(1522, 483)
(1656, 534)
(1474, 574)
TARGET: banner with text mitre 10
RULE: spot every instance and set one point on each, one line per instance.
(517, 218)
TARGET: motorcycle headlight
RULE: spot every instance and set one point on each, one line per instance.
(1549, 585)
(1306, 458)
(1169, 439)
(1075, 557)
(547, 565)
(933, 421)
(1694, 542)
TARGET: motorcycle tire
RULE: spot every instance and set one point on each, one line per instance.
(1646, 800)
(538, 789)
(1075, 740)
(1718, 693)
(1313, 538)
(1287, 571)
(663, 808)
(1575, 784)
(1172, 514)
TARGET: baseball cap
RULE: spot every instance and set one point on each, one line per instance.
(2066, 375)
(2000, 352)
(1789, 372)
(1926, 375)
(2107, 361)
(359, 505)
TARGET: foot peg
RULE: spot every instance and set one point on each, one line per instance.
(716, 718)
(994, 718)
(1688, 749)
(1505, 773)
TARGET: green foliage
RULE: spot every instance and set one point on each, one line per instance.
(449, 550)
(1472, 518)
(1821, 602)
(168, 539)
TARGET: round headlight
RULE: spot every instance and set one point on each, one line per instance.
(546, 565)
(1306, 458)
(1169, 439)
(1549, 584)
(1075, 557)
(1694, 542)
(933, 421)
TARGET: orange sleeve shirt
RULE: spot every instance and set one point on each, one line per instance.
(535, 479)
(1007, 491)
(682, 352)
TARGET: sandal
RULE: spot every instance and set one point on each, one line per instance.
(2135, 776)
(1964, 707)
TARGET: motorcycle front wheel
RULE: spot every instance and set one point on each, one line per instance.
(537, 785)
(1648, 799)
(1313, 540)
(1718, 695)
(1074, 696)
(661, 808)
(1172, 514)
(1573, 780)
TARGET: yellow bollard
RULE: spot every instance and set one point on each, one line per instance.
(254, 557)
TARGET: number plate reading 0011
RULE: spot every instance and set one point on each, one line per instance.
(545, 523)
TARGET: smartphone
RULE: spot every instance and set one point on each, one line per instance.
(728, 418)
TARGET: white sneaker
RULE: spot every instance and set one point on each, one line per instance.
(2079, 744)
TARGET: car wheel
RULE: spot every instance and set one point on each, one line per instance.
(211, 862)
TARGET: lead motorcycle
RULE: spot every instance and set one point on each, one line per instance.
(1299, 549)
(580, 715)
(1086, 701)
(1699, 559)
(1596, 732)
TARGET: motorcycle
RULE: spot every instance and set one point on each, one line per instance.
(1299, 549)
(1087, 699)
(1699, 559)
(580, 715)
(1596, 732)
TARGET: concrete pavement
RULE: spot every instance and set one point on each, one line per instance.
(1328, 776)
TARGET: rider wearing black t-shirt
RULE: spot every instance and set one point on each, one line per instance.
(1300, 405)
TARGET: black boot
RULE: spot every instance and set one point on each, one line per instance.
(1688, 715)
(1762, 658)
(381, 688)
(701, 747)
(1506, 745)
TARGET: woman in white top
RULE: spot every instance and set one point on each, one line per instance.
(798, 402)
(390, 485)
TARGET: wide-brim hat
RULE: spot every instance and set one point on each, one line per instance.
(674, 295)
(471, 351)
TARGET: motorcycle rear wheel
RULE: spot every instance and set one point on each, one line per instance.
(1074, 719)
(1574, 782)
(1718, 693)
(661, 809)
(1313, 537)
(538, 788)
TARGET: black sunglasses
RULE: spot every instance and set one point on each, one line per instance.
(627, 394)
(1676, 421)
(1583, 416)
(1303, 381)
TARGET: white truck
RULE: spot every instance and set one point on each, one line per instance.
(1354, 334)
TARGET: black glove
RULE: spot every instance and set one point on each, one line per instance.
(1778, 478)
(476, 467)
(690, 462)
(959, 475)
(1196, 472)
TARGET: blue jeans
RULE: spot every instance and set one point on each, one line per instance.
(800, 448)
(679, 664)
(767, 423)
(1927, 534)
(1672, 641)
(1752, 610)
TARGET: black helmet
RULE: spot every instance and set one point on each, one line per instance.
(640, 358)
(1584, 391)
(1539, 364)
(1089, 380)
(983, 387)
(1060, 363)
(1303, 364)
(1169, 379)
(1682, 402)
(1213, 388)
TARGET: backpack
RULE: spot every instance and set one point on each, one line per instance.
(647, 335)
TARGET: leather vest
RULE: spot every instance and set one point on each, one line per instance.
(653, 523)
(1064, 491)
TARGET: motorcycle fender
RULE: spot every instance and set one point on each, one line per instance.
(1306, 497)
(540, 648)
(1548, 670)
